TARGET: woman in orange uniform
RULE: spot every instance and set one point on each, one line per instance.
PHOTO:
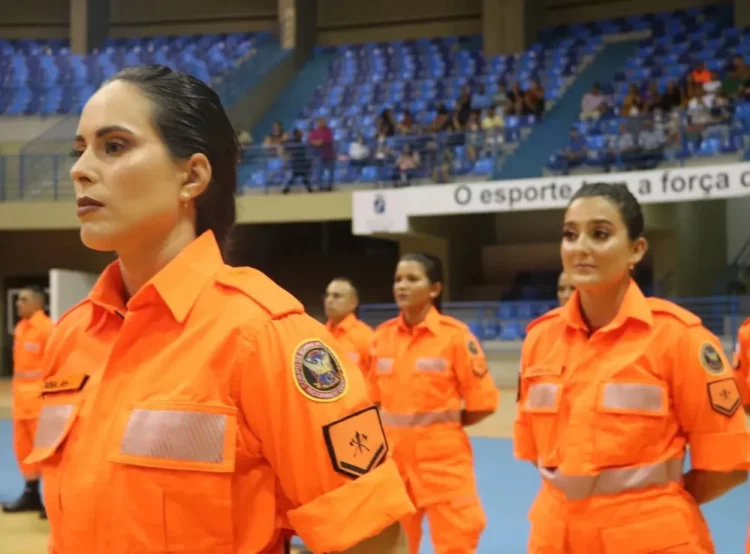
(430, 377)
(614, 388)
(189, 406)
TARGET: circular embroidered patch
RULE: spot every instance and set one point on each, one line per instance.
(711, 359)
(318, 373)
(473, 348)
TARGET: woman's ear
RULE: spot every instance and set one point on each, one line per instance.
(198, 175)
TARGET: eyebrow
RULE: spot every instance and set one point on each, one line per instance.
(596, 221)
(107, 130)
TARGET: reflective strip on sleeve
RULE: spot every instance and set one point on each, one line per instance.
(52, 420)
(175, 435)
(542, 395)
(28, 374)
(633, 396)
(422, 419)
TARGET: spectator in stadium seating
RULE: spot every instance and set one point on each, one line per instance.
(481, 100)
(462, 110)
(700, 74)
(594, 104)
(575, 153)
(652, 98)
(275, 141)
(386, 125)
(443, 172)
(533, 100)
(359, 152)
(565, 288)
(406, 165)
(244, 138)
(624, 147)
(407, 125)
(712, 89)
(514, 103)
(493, 124)
(474, 136)
(672, 98)
(632, 104)
(443, 121)
(321, 139)
(736, 77)
(299, 161)
(651, 144)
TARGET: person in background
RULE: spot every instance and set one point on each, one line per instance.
(190, 405)
(614, 388)
(430, 376)
(321, 138)
(565, 288)
(30, 338)
(340, 302)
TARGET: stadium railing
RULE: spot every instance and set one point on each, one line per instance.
(507, 321)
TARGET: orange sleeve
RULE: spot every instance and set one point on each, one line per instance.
(708, 404)
(365, 352)
(306, 402)
(741, 364)
(524, 446)
(475, 382)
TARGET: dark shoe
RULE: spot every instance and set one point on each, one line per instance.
(29, 501)
(43, 513)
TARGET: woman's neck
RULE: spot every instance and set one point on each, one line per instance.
(416, 315)
(139, 265)
(600, 306)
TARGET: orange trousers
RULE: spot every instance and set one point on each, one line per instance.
(23, 442)
(455, 527)
(658, 520)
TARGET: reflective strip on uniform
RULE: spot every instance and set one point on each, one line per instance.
(542, 395)
(175, 435)
(632, 396)
(614, 481)
(432, 364)
(52, 420)
(422, 419)
(384, 364)
(28, 374)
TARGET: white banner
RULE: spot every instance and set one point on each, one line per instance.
(389, 211)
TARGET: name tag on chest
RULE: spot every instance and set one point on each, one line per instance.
(432, 364)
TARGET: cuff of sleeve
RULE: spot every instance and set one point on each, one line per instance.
(359, 510)
(481, 400)
(720, 451)
(523, 444)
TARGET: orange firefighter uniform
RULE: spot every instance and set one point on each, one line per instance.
(355, 337)
(29, 341)
(207, 415)
(423, 377)
(741, 365)
(607, 418)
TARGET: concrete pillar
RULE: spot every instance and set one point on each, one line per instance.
(510, 26)
(741, 13)
(298, 22)
(89, 24)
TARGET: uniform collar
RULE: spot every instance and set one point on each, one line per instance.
(431, 322)
(634, 306)
(177, 285)
(35, 320)
(345, 324)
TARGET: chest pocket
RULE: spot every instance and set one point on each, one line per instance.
(632, 409)
(433, 382)
(540, 404)
(173, 476)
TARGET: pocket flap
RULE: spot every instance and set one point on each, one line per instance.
(652, 534)
(542, 398)
(56, 419)
(177, 435)
(619, 397)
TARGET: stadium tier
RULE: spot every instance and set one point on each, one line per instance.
(45, 78)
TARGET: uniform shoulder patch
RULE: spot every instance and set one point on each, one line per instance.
(317, 371)
(552, 314)
(724, 396)
(256, 285)
(356, 443)
(473, 348)
(710, 359)
(659, 305)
